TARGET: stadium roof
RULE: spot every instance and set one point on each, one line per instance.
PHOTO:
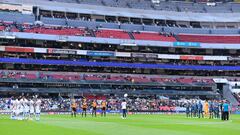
(136, 13)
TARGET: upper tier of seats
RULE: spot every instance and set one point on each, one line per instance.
(179, 6)
(209, 38)
(23, 18)
(74, 31)
(119, 34)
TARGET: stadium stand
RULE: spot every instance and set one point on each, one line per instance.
(68, 77)
(71, 31)
(112, 34)
(178, 6)
(147, 55)
(152, 36)
(128, 27)
(209, 38)
(57, 31)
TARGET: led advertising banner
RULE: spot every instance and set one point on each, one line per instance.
(186, 44)
(103, 54)
(62, 51)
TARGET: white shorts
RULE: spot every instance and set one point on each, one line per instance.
(17, 111)
(14, 110)
(26, 110)
(31, 110)
(21, 110)
(38, 111)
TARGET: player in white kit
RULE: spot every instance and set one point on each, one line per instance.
(17, 108)
(124, 109)
(31, 109)
(37, 109)
(25, 108)
(13, 109)
(21, 109)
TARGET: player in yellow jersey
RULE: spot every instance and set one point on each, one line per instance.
(206, 108)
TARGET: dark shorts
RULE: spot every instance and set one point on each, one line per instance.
(104, 108)
(94, 108)
(74, 109)
(84, 109)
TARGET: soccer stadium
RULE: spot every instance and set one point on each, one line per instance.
(115, 67)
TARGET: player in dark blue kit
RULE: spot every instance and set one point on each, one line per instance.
(211, 110)
(200, 110)
(221, 109)
(192, 109)
(188, 109)
(195, 109)
(216, 110)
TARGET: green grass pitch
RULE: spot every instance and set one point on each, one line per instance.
(114, 125)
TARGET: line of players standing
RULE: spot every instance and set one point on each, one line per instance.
(23, 108)
(211, 109)
(93, 106)
(84, 106)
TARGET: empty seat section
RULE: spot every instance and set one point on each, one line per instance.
(209, 38)
(152, 36)
(115, 79)
(112, 34)
(56, 31)
(2, 28)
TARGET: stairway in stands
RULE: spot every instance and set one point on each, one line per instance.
(227, 94)
(131, 35)
(92, 33)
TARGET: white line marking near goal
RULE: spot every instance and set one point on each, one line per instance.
(205, 123)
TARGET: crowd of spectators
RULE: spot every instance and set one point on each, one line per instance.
(64, 76)
(148, 104)
(113, 103)
(134, 104)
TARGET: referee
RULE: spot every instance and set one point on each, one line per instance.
(124, 109)
(225, 110)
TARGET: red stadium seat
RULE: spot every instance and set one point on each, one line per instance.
(57, 31)
(112, 34)
(153, 36)
(2, 28)
(208, 38)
